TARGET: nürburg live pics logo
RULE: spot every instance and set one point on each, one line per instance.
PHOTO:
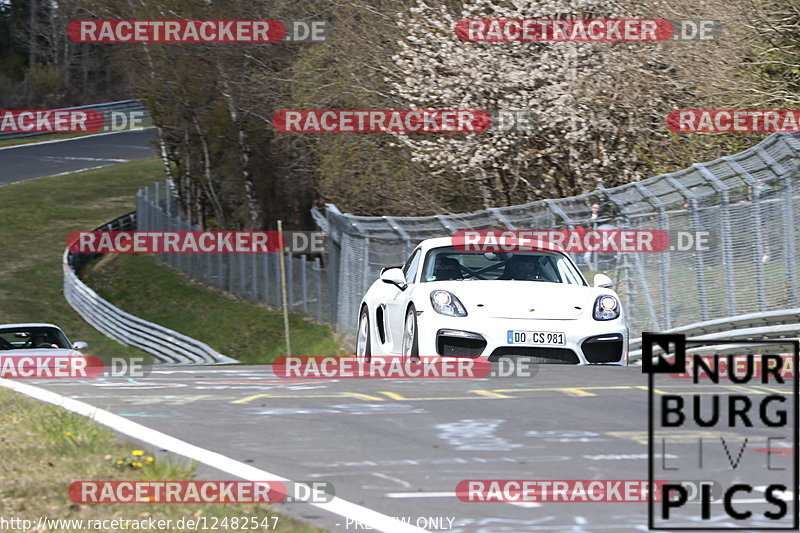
(732, 421)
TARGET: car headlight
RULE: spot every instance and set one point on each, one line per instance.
(606, 307)
(446, 303)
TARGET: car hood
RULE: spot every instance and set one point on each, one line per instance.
(38, 352)
(522, 299)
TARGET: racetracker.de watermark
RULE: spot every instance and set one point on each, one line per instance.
(397, 367)
(200, 492)
(198, 31)
(70, 367)
(380, 120)
(734, 120)
(554, 490)
(578, 241)
(206, 492)
(586, 30)
(175, 242)
(67, 121)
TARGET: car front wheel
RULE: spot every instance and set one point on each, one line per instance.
(363, 347)
(410, 336)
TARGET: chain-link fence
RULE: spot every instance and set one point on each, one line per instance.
(748, 204)
(255, 277)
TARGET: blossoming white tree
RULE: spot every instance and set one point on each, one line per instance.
(587, 97)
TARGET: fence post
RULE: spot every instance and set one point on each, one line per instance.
(790, 250)
(333, 267)
(265, 265)
(318, 283)
(289, 278)
(697, 259)
(304, 282)
(276, 268)
(254, 277)
(284, 296)
(242, 277)
(757, 229)
(727, 233)
(664, 264)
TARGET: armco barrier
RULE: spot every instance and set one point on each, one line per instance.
(165, 344)
(771, 325)
(105, 109)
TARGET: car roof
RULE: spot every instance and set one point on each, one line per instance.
(29, 325)
(438, 242)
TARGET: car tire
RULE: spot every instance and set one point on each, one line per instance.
(410, 335)
(363, 342)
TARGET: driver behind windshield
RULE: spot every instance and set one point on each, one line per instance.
(522, 267)
(39, 340)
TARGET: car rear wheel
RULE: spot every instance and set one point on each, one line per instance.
(410, 336)
(363, 346)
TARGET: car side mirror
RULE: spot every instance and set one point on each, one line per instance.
(79, 346)
(395, 277)
(601, 280)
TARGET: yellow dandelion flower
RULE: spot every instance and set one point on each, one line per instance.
(137, 453)
(150, 459)
(120, 461)
(137, 464)
(68, 433)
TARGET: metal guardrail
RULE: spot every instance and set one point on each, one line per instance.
(165, 344)
(769, 325)
(105, 109)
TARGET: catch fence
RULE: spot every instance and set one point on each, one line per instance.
(748, 203)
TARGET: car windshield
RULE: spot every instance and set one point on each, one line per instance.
(25, 338)
(447, 263)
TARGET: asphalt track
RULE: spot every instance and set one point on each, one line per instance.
(38, 160)
(399, 447)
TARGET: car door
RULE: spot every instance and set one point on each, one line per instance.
(395, 311)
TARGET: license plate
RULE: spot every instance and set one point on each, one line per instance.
(530, 338)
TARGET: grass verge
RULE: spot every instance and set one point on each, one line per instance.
(36, 217)
(249, 332)
(46, 448)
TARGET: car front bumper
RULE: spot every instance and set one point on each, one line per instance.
(586, 341)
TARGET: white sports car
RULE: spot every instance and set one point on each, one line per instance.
(534, 305)
(36, 339)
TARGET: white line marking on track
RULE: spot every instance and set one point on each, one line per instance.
(526, 504)
(60, 158)
(338, 506)
(420, 494)
(405, 495)
(403, 483)
(55, 175)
